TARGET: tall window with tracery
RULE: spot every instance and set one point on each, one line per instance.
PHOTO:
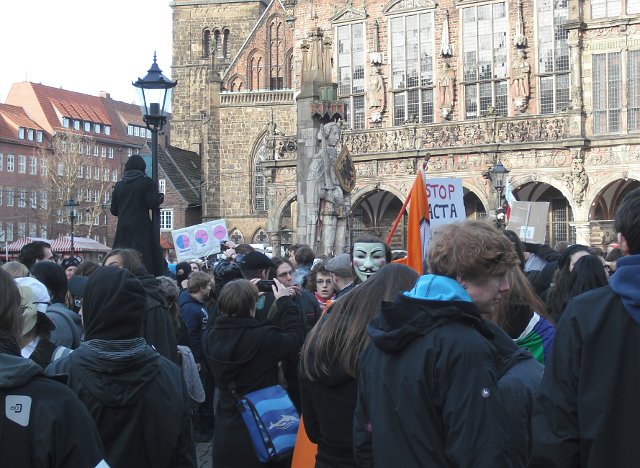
(276, 55)
(484, 43)
(412, 80)
(553, 53)
(260, 187)
(255, 72)
(633, 85)
(607, 92)
(351, 85)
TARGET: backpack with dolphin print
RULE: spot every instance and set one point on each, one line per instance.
(271, 419)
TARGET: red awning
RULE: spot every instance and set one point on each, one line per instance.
(17, 245)
(80, 244)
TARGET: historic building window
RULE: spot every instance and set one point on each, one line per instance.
(605, 8)
(633, 85)
(607, 92)
(276, 55)
(166, 219)
(206, 43)
(225, 43)
(255, 71)
(412, 67)
(351, 85)
(553, 53)
(484, 44)
(260, 188)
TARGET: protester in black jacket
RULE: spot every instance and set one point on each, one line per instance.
(137, 397)
(43, 424)
(157, 323)
(587, 410)
(243, 352)
(131, 200)
(428, 387)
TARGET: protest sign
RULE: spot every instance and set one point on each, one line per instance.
(529, 220)
(446, 201)
(200, 240)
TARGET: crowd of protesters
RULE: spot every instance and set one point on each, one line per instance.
(502, 354)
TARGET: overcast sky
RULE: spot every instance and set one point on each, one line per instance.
(86, 46)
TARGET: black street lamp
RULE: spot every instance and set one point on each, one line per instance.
(498, 176)
(105, 209)
(154, 95)
(71, 205)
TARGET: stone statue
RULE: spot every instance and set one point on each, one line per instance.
(326, 196)
(446, 84)
(520, 70)
(376, 95)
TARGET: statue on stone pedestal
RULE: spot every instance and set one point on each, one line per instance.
(375, 95)
(446, 84)
(327, 198)
(520, 69)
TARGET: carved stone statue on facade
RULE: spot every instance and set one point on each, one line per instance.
(520, 70)
(376, 94)
(446, 90)
(577, 180)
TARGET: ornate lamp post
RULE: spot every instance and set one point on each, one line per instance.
(154, 95)
(71, 205)
(498, 176)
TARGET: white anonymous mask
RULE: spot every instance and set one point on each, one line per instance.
(368, 258)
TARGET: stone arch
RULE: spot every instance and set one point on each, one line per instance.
(260, 236)
(518, 182)
(235, 82)
(367, 190)
(273, 223)
(374, 210)
(236, 235)
(467, 189)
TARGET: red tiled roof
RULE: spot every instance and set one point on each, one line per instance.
(12, 117)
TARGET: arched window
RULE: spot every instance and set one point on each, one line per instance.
(255, 72)
(276, 72)
(225, 43)
(206, 43)
(217, 46)
(259, 177)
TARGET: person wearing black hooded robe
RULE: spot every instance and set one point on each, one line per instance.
(132, 198)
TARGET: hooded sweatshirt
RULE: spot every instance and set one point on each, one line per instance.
(136, 396)
(625, 284)
(43, 423)
(427, 392)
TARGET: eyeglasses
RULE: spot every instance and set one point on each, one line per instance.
(284, 274)
(78, 303)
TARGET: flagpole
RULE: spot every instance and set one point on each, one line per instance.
(406, 202)
(397, 221)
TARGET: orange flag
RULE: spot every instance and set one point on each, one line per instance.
(418, 229)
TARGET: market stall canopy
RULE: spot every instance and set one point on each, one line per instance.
(17, 245)
(80, 244)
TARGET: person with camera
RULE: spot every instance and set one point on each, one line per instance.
(243, 353)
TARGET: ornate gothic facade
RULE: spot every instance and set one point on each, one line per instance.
(551, 88)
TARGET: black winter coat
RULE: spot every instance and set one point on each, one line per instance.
(428, 393)
(328, 405)
(157, 325)
(246, 351)
(139, 401)
(131, 200)
(43, 424)
(587, 411)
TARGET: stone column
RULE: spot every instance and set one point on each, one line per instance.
(583, 232)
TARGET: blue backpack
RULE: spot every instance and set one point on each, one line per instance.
(272, 421)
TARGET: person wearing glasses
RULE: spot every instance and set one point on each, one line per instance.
(310, 312)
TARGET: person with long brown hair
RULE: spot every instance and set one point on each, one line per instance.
(330, 363)
(523, 316)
